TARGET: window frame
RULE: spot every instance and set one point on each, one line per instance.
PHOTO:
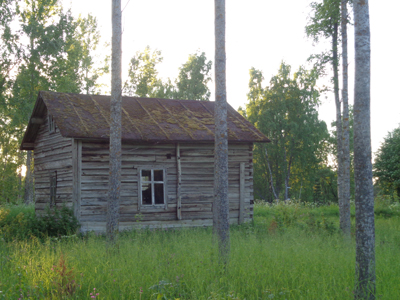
(52, 125)
(142, 206)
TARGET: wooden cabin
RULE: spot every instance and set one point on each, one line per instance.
(167, 160)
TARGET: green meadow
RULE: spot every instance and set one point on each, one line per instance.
(289, 251)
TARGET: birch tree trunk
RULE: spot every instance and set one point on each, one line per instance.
(270, 172)
(344, 205)
(115, 128)
(364, 197)
(221, 201)
(338, 112)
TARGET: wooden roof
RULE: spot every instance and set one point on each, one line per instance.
(143, 119)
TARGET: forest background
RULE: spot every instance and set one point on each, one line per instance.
(45, 46)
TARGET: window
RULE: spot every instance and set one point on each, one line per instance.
(52, 127)
(53, 188)
(152, 187)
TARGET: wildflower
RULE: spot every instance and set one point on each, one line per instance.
(94, 295)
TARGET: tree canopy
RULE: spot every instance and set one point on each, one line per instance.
(45, 49)
(286, 112)
(387, 163)
(190, 84)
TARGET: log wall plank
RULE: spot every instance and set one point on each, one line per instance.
(52, 152)
(179, 182)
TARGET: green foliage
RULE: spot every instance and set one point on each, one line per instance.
(326, 15)
(386, 206)
(45, 49)
(18, 223)
(10, 55)
(295, 214)
(194, 75)
(387, 164)
(143, 75)
(286, 112)
(191, 84)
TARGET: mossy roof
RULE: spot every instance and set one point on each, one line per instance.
(143, 119)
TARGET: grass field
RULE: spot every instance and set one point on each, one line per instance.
(288, 252)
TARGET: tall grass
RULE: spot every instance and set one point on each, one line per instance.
(272, 258)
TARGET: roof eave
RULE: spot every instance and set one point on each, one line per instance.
(34, 123)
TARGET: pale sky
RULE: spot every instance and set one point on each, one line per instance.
(259, 34)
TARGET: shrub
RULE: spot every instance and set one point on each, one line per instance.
(386, 206)
(296, 214)
(20, 224)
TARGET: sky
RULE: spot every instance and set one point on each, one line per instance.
(259, 34)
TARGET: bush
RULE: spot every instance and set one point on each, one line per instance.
(296, 214)
(386, 206)
(21, 223)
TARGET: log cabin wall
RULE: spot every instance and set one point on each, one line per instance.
(196, 192)
(197, 163)
(52, 157)
(94, 184)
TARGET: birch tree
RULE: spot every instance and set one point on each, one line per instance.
(325, 22)
(221, 201)
(193, 78)
(115, 127)
(364, 197)
(344, 205)
(286, 112)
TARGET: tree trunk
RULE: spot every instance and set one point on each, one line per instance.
(221, 201)
(365, 229)
(19, 185)
(338, 112)
(28, 195)
(287, 179)
(278, 183)
(286, 175)
(270, 172)
(115, 128)
(344, 205)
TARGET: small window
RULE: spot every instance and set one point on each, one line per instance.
(152, 186)
(52, 127)
(53, 188)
